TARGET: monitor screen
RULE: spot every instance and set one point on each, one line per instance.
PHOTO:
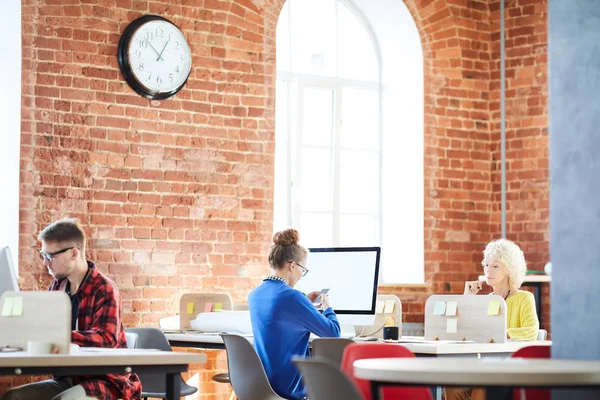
(8, 275)
(351, 274)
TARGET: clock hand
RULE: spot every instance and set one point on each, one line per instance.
(163, 49)
(147, 41)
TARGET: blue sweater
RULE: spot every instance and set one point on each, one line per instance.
(282, 321)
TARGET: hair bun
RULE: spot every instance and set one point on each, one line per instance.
(286, 237)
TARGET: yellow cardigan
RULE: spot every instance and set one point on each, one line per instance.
(521, 316)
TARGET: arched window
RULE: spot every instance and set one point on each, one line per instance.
(332, 179)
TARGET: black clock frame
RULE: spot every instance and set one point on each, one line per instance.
(125, 66)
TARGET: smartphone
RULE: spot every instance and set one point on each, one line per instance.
(317, 300)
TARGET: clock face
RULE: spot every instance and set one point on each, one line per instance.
(154, 57)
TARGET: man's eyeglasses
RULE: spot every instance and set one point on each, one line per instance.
(48, 256)
(304, 270)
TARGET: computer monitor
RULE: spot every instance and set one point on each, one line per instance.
(351, 274)
(8, 274)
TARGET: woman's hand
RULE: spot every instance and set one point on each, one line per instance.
(324, 301)
(472, 287)
(312, 296)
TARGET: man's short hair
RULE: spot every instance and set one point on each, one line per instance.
(65, 230)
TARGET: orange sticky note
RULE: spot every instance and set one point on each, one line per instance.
(208, 307)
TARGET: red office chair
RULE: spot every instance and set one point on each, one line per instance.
(359, 351)
(532, 352)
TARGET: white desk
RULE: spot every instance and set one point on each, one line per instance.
(199, 340)
(116, 361)
(499, 376)
(429, 349)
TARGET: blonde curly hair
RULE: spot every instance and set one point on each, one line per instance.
(509, 254)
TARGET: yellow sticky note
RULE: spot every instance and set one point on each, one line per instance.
(451, 307)
(494, 307)
(190, 308)
(7, 307)
(17, 308)
(451, 325)
(379, 306)
(390, 321)
(218, 306)
(439, 308)
(208, 307)
(389, 306)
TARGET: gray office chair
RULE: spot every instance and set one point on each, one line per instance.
(131, 338)
(325, 381)
(542, 334)
(155, 384)
(330, 348)
(246, 372)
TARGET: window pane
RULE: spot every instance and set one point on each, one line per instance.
(313, 36)
(316, 187)
(316, 229)
(283, 39)
(360, 119)
(359, 182)
(317, 112)
(356, 53)
(358, 230)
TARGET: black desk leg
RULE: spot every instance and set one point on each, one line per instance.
(375, 390)
(537, 293)
(173, 386)
(499, 393)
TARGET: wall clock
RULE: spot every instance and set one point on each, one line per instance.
(154, 57)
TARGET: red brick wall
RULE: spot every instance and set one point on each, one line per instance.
(177, 195)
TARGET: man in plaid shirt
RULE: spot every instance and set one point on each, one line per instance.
(96, 320)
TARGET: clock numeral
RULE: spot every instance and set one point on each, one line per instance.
(143, 44)
(149, 76)
(170, 78)
(140, 66)
(177, 45)
(177, 69)
(158, 80)
(138, 53)
(159, 32)
(149, 35)
(181, 57)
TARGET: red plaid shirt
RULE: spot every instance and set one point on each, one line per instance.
(99, 325)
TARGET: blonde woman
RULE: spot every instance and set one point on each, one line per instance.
(504, 267)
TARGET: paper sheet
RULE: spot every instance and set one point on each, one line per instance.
(439, 308)
(451, 307)
(379, 307)
(7, 307)
(190, 308)
(451, 325)
(494, 307)
(17, 308)
(389, 306)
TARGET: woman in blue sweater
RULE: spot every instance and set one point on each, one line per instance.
(283, 318)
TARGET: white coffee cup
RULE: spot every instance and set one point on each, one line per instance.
(38, 347)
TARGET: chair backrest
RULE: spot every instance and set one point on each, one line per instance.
(542, 334)
(359, 351)
(246, 372)
(131, 338)
(532, 352)
(150, 338)
(324, 381)
(330, 348)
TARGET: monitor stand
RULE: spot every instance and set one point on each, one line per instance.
(347, 331)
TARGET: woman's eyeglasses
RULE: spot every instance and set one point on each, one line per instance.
(304, 270)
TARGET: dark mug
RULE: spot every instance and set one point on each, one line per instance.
(390, 333)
